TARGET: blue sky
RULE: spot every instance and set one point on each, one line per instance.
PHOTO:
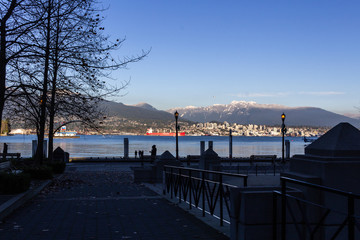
(204, 52)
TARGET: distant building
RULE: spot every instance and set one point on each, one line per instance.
(18, 131)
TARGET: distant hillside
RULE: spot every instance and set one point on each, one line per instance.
(242, 112)
(142, 112)
(145, 106)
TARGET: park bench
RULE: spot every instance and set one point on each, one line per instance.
(5, 161)
(262, 158)
(193, 158)
(10, 155)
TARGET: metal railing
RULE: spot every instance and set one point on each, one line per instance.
(194, 186)
(310, 229)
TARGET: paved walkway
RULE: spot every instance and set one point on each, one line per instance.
(102, 204)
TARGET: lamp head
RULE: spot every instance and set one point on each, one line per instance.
(176, 114)
(283, 116)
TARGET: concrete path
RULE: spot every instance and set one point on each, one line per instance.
(99, 201)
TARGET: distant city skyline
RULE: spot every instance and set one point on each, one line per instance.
(302, 53)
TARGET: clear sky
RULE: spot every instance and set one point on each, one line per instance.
(203, 52)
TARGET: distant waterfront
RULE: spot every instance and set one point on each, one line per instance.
(112, 145)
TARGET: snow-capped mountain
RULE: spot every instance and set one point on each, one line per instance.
(243, 112)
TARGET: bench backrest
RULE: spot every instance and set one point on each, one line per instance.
(263, 157)
(4, 165)
(17, 155)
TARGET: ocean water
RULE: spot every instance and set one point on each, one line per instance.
(113, 145)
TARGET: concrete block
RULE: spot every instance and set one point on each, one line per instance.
(252, 212)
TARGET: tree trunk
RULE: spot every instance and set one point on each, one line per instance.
(2, 67)
(51, 124)
(3, 59)
(40, 148)
(53, 90)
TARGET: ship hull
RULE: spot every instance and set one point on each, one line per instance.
(169, 134)
(65, 134)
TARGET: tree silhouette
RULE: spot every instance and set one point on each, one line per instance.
(67, 59)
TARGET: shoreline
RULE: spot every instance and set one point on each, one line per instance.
(109, 146)
(131, 134)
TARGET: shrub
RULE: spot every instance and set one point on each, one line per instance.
(22, 162)
(11, 183)
(57, 167)
(39, 172)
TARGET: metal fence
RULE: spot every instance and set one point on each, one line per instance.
(201, 187)
(299, 208)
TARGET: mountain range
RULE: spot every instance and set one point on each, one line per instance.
(141, 112)
(239, 112)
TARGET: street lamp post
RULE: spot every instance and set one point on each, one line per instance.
(283, 131)
(176, 114)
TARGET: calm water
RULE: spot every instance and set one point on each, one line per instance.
(112, 146)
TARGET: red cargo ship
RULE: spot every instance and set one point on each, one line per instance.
(171, 134)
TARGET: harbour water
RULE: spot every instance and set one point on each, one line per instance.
(113, 145)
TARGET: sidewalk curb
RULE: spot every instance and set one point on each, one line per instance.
(17, 201)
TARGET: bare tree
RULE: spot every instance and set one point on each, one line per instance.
(74, 55)
(85, 53)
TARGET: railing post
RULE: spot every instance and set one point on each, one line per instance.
(179, 187)
(245, 181)
(274, 169)
(165, 182)
(283, 209)
(221, 201)
(274, 216)
(351, 212)
(203, 192)
(190, 189)
(171, 182)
